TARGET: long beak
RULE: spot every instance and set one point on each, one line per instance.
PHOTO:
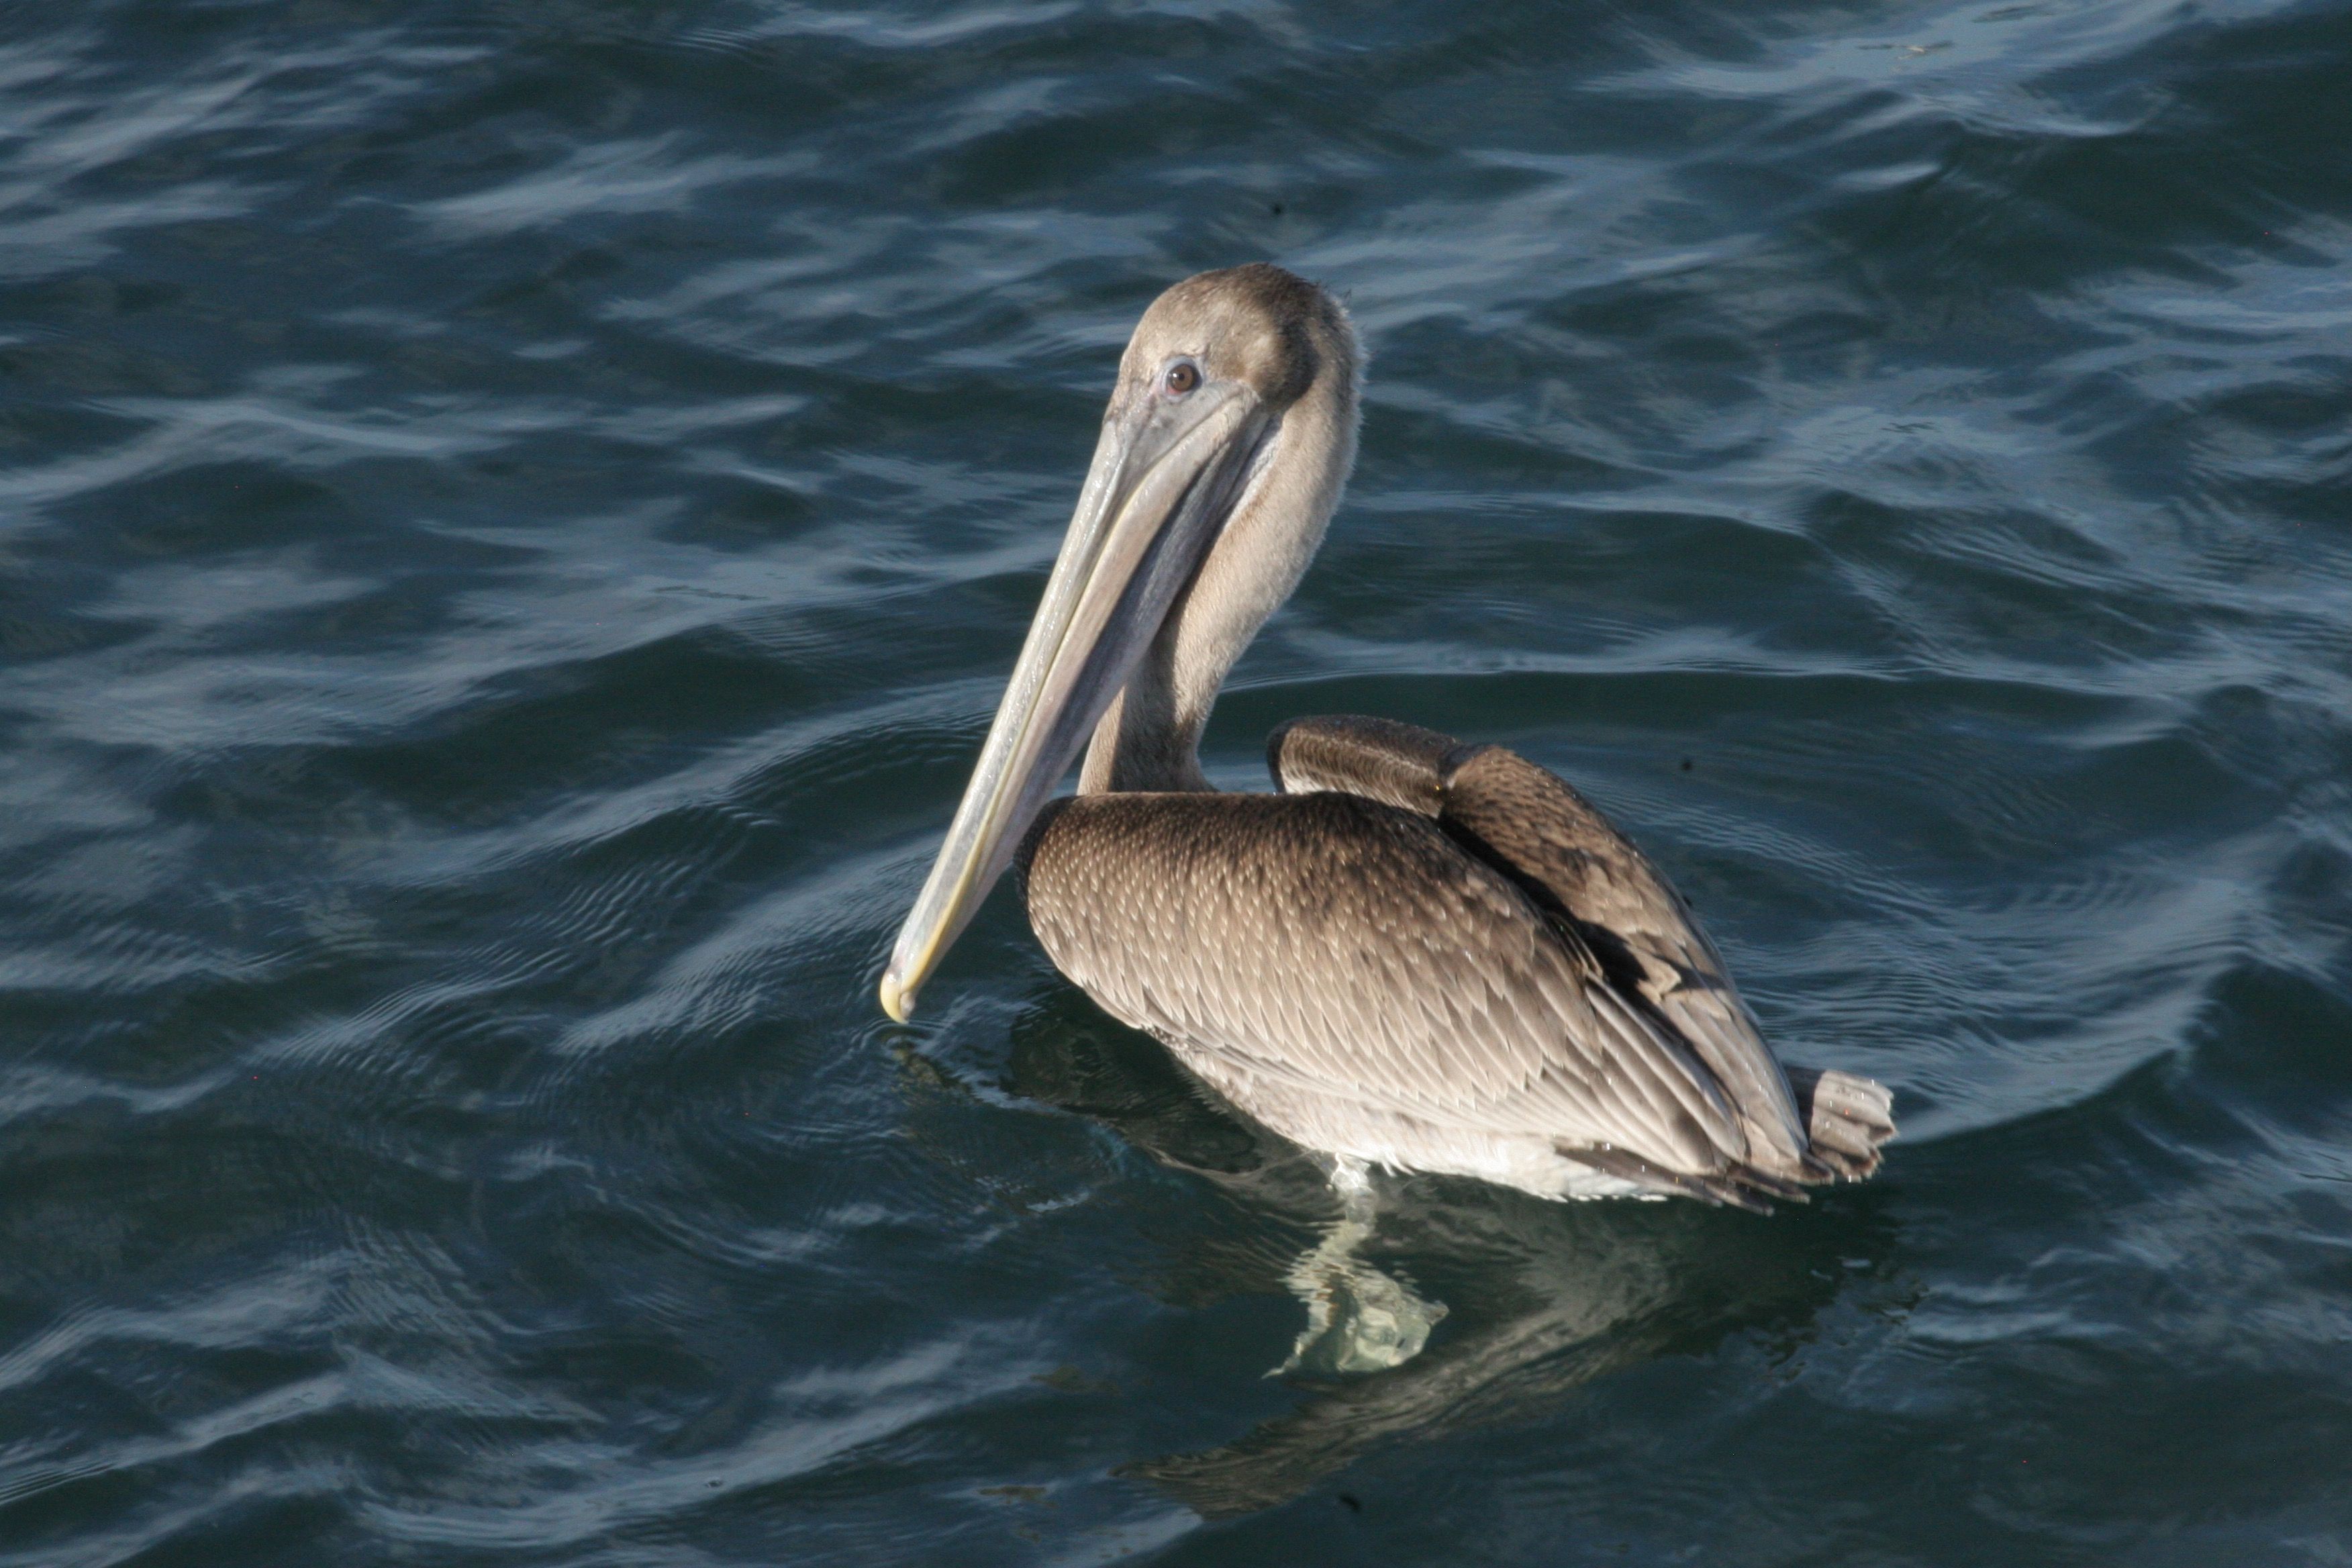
(1166, 475)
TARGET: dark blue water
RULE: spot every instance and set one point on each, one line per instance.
(513, 518)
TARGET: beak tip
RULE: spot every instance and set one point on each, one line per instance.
(896, 1000)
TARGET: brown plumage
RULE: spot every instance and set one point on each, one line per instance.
(1420, 955)
(1440, 959)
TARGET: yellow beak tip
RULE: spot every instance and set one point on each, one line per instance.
(897, 1001)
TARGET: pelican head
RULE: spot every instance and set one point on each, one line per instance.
(1226, 443)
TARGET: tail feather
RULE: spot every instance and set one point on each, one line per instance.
(1846, 1118)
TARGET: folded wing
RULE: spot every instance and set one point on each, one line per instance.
(1421, 930)
(1328, 947)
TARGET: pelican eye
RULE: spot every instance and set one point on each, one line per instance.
(1183, 377)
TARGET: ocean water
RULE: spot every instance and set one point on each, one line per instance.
(514, 516)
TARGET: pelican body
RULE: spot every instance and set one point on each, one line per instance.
(1417, 954)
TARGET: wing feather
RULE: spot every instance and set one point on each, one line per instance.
(1546, 832)
(1351, 949)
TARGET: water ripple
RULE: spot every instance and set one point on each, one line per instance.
(512, 522)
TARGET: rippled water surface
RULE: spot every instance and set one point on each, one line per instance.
(514, 516)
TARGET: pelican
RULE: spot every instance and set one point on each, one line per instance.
(1418, 954)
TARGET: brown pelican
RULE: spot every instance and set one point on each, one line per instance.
(1420, 955)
